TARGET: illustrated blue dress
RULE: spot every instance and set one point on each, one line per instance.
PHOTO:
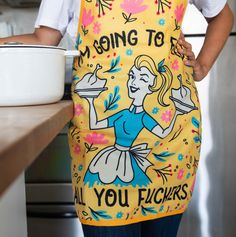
(123, 164)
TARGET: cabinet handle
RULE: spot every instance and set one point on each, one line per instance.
(51, 215)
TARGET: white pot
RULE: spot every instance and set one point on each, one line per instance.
(32, 74)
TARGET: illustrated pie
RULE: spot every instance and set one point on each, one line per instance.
(182, 98)
(91, 85)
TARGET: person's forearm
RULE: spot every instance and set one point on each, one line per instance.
(43, 36)
(26, 39)
(217, 33)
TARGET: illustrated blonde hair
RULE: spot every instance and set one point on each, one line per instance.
(162, 71)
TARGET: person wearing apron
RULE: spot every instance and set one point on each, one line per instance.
(135, 137)
(136, 133)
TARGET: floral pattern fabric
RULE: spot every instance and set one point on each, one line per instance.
(135, 136)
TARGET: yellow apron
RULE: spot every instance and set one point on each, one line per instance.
(136, 132)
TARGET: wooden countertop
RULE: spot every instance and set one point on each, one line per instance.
(25, 132)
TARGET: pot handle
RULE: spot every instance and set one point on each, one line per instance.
(13, 43)
(72, 53)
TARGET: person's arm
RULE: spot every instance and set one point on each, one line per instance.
(42, 36)
(218, 30)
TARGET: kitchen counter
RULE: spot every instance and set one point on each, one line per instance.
(25, 132)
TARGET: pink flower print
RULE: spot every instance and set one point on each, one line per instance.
(78, 110)
(175, 65)
(77, 149)
(96, 28)
(179, 12)
(180, 174)
(166, 116)
(87, 19)
(96, 138)
(132, 7)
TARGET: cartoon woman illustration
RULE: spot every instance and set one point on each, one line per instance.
(124, 164)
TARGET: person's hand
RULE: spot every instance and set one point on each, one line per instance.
(199, 71)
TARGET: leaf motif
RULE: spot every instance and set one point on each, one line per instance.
(86, 145)
(132, 19)
(110, 98)
(115, 70)
(160, 64)
(161, 67)
(160, 159)
(94, 216)
(106, 104)
(195, 122)
(166, 154)
(125, 16)
(78, 42)
(113, 107)
(148, 209)
(97, 214)
(163, 156)
(76, 78)
(85, 213)
(113, 65)
(151, 210)
(163, 153)
(143, 212)
(93, 148)
(117, 61)
(111, 102)
(103, 215)
(117, 99)
(116, 90)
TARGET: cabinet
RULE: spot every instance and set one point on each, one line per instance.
(25, 132)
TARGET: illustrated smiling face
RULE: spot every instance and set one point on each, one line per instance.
(140, 80)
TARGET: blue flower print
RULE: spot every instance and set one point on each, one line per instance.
(188, 176)
(161, 208)
(155, 110)
(80, 167)
(196, 139)
(129, 52)
(119, 215)
(157, 143)
(180, 157)
(162, 22)
(75, 78)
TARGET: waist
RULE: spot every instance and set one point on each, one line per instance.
(121, 148)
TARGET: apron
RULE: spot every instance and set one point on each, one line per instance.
(136, 132)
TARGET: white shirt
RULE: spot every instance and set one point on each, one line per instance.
(63, 15)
